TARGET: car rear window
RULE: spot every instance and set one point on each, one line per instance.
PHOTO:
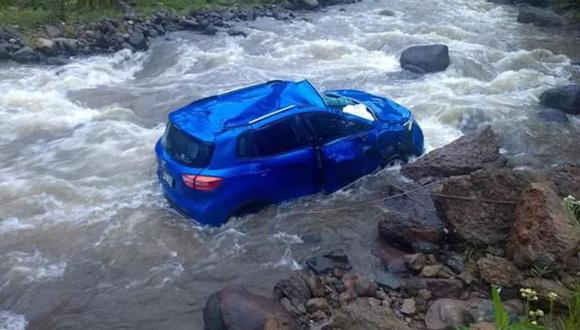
(187, 149)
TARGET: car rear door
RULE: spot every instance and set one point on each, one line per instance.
(284, 161)
(345, 147)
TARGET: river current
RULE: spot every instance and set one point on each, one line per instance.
(86, 237)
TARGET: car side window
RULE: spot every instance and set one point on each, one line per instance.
(327, 127)
(279, 137)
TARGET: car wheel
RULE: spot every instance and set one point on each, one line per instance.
(396, 160)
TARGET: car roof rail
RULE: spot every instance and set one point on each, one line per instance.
(273, 113)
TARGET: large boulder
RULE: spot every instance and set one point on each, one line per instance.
(234, 308)
(543, 233)
(535, 3)
(425, 59)
(138, 40)
(480, 207)
(362, 315)
(26, 55)
(499, 271)
(565, 98)
(539, 17)
(402, 230)
(467, 154)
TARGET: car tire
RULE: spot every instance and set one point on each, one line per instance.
(395, 160)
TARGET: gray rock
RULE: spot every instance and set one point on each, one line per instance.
(425, 59)
(539, 17)
(439, 287)
(4, 51)
(309, 4)
(67, 45)
(45, 46)
(138, 40)
(26, 55)
(402, 230)
(386, 12)
(234, 308)
(565, 98)
(294, 288)
(535, 3)
(477, 221)
(53, 31)
(328, 262)
(364, 315)
(499, 271)
(465, 155)
(408, 307)
(553, 116)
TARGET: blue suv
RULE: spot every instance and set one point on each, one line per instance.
(230, 154)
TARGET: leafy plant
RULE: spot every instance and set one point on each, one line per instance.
(572, 205)
(502, 319)
(540, 271)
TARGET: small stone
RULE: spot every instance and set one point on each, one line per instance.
(317, 304)
(416, 261)
(318, 316)
(408, 307)
(431, 270)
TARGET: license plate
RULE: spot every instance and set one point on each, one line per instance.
(167, 178)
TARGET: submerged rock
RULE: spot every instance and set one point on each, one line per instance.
(565, 98)
(553, 116)
(402, 230)
(465, 155)
(328, 262)
(543, 233)
(481, 206)
(539, 17)
(234, 308)
(425, 59)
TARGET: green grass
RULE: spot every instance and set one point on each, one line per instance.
(30, 14)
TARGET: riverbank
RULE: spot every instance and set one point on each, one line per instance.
(57, 36)
(499, 230)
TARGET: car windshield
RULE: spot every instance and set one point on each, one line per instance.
(187, 149)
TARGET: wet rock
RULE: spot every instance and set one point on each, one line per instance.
(539, 17)
(565, 98)
(566, 180)
(26, 55)
(488, 215)
(439, 287)
(236, 32)
(499, 271)
(553, 116)
(425, 59)
(454, 261)
(408, 307)
(67, 46)
(394, 266)
(416, 261)
(452, 313)
(386, 12)
(314, 284)
(189, 23)
(361, 285)
(317, 304)
(402, 230)
(544, 287)
(535, 3)
(138, 41)
(294, 288)
(502, 2)
(362, 315)
(235, 308)
(308, 4)
(463, 156)
(328, 262)
(4, 51)
(543, 233)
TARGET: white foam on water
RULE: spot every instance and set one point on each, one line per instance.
(32, 267)
(12, 225)
(12, 321)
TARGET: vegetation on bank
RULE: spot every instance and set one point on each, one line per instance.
(33, 13)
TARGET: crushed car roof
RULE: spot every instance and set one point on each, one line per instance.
(206, 117)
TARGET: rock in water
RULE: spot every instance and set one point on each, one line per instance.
(328, 262)
(535, 3)
(402, 230)
(424, 59)
(234, 308)
(138, 41)
(465, 155)
(480, 207)
(543, 232)
(566, 98)
(539, 17)
(26, 55)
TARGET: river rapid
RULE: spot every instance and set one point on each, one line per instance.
(86, 237)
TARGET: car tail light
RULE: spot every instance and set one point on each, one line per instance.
(201, 182)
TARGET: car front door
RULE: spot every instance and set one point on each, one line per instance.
(285, 162)
(345, 149)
